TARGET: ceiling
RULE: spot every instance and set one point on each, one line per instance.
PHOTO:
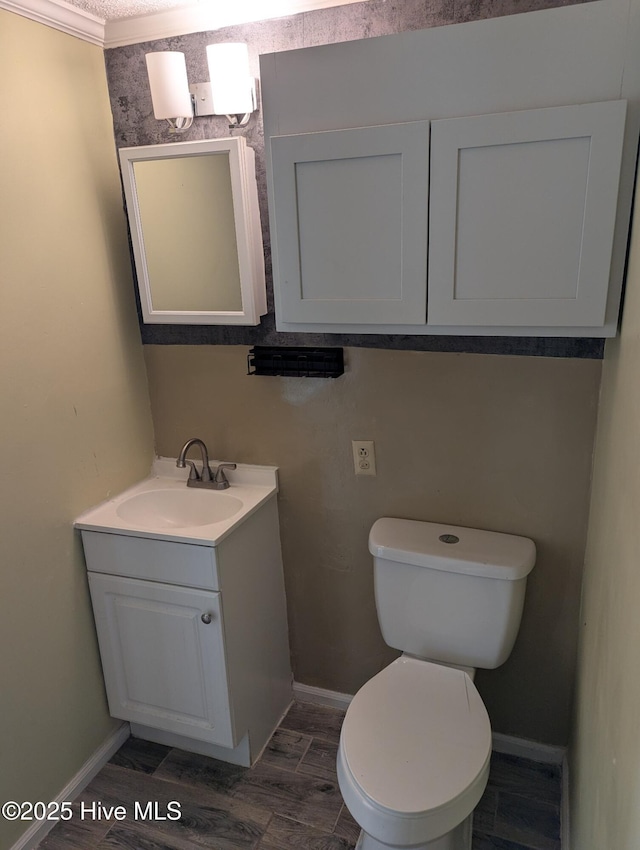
(113, 23)
(241, 10)
(115, 10)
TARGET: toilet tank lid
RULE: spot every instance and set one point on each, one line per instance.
(469, 550)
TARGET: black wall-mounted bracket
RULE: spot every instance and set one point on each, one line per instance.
(296, 362)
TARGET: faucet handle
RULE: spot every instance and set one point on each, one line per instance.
(220, 478)
(193, 472)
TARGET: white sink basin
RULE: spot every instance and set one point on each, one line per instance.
(178, 508)
(164, 508)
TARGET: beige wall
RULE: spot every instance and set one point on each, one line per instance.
(605, 764)
(501, 443)
(74, 417)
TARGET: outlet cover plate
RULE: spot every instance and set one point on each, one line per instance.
(364, 457)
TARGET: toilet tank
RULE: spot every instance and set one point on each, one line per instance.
(447, 593)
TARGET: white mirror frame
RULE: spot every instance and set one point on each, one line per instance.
(247, 226)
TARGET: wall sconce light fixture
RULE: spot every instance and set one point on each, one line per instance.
(233, 89)
(170, 95)
(231, 92)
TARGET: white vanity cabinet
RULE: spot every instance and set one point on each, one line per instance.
(501, 221)
(193, 635)
(163, 656)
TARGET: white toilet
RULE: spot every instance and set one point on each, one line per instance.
(415, 745)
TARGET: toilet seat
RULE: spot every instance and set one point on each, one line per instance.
(414, 752)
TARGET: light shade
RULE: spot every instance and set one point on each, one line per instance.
(169, 84)
(232, 86)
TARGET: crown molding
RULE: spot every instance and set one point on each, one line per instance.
(61, 16)
(182, 20)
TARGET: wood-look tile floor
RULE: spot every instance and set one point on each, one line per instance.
(289, 800)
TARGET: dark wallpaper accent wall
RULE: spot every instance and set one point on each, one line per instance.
(134, 124)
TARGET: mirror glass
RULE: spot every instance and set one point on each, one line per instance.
(186, 213)
(195, 230)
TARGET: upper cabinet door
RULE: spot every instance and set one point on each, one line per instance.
(351, 219)
(522, 216)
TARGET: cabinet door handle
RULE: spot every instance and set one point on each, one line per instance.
(206, 619)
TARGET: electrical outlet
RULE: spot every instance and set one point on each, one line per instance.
(364, 457)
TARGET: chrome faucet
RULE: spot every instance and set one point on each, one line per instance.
(211, 479)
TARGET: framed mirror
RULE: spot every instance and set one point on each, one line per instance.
(195, 229)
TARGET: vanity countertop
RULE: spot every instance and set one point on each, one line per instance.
(162, 507)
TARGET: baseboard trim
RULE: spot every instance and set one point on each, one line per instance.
(565, 835)
(321, 696)
(524, 748)
(38, 830)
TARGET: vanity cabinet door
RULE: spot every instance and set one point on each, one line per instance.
(522, 216)
(163, 656)
(350, 225)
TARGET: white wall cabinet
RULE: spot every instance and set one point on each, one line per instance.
(195, 231)
(522, 216)
(351, 223)
(501, 223)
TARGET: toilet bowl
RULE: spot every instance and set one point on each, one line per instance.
(414, 754)
(415, 746)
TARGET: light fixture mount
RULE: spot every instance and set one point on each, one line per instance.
(202, 94)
